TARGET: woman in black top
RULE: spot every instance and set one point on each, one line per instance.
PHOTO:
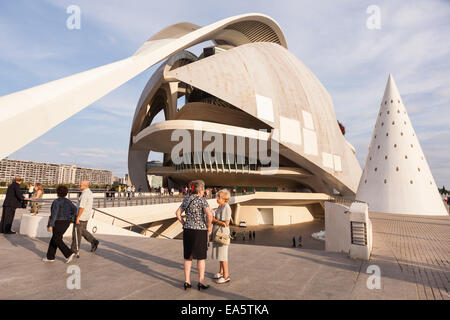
(62, 213)
(196, 227)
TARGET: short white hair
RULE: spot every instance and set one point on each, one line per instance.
(224, 194)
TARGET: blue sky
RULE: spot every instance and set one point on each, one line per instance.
(330, 37)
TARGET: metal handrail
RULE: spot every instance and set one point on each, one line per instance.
(136, 200)
(120, 201)
(134, 225)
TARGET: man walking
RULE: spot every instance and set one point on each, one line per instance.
(13, 200)
(84, 214)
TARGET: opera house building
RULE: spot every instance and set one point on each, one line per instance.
(246, 89)
(245, 113)
(244, 93)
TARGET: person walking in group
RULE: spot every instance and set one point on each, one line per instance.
(63, 212)
(221, 221)
(38, 194)
(196, 227)
(13, 200)
(85, 211)
(243, 235)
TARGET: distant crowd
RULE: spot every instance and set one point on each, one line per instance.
(132, 191)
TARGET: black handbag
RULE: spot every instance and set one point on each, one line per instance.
(24, 204)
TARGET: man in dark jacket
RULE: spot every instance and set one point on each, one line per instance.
(13, 200)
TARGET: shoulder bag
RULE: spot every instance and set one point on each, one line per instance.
(222, 238)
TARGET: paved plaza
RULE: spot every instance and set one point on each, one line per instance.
(421, 248)
(412, 253)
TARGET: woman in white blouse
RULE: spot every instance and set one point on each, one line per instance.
(221, 221)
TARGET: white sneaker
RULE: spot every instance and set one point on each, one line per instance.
(69, 259)
(218, 276)
(47, 260)
(223, 280)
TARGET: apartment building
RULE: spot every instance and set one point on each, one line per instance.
(49, 173)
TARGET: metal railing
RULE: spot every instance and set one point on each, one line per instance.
(134, 201)
(107, 202)
(125, 201)
(145, 200)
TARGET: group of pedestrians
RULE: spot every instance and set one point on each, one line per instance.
(128, 191)
(14, 199)
(201, 225)
(63, 212)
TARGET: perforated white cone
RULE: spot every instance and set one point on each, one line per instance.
(396, 176)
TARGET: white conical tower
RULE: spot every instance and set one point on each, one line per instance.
(396, 176)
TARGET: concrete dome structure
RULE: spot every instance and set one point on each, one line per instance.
(247, 82)
(396, 176)
(239, 88)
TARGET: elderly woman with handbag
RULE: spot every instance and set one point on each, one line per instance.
(221, 235)
(196, 228)
(38, 194)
